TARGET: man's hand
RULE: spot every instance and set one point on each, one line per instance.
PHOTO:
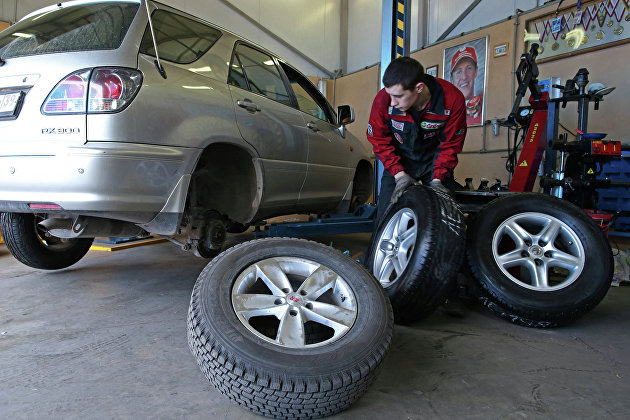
(402, 182)
(437, 185)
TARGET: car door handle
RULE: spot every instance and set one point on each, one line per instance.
(248, 105)
(312, 126)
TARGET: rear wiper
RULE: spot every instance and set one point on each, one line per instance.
(2, 62)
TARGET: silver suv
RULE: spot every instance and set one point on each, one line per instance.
(102, 136)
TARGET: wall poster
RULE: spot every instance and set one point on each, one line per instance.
(594, 25)
(465, 67)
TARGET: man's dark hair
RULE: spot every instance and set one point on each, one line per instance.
(404, 70)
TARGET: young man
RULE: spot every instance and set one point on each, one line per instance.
(417, 127)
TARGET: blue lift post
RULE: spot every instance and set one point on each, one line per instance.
(394, 43)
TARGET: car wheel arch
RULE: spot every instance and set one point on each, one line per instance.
(363, 183)
(232, 186)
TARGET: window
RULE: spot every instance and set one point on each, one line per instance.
(179, 39)
(256, 71)
(308, 98)
(84, 27)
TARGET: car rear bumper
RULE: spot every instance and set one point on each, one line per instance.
(124, 181)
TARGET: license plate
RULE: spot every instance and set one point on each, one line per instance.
(8, 103)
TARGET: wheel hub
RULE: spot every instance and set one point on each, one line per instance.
(295, 300)
(536, 251)
(391, 247)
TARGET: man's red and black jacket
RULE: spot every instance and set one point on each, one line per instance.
(425, 148)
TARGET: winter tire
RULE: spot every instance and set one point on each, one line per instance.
(540, 261)
(417, 250)
(288, 328)
(29, 245)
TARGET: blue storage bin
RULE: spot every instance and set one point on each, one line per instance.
(616, 199)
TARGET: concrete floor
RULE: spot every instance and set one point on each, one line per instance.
(106, 339)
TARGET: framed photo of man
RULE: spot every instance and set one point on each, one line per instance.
(465, 67)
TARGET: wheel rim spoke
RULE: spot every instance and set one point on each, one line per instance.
(318, 282)
(550, 232)
(273, 276)
(401, 224)
(408, 240)
(332, 316)
(398, 267)
(564, 260)
(387, 267)
(512, 259)
(250, 305)
(517, 233)
(539, 276)
(291, 329)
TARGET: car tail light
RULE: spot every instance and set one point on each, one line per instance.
(69, 96)
(112, 89)
(99, 90)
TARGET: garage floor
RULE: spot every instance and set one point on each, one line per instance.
(106, 338)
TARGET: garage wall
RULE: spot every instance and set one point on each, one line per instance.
(364, 33)
(442, 14)
(608, 66)
(358, 89)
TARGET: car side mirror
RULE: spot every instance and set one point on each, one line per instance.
(345, 114)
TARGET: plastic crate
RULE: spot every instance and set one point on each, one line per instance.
(618, 198)
(621, 223)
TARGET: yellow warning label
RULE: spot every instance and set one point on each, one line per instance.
(523, 163)
(590, 172)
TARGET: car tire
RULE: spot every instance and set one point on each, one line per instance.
(416, 251)
(254, 346)
(539, 261)
(31, 247)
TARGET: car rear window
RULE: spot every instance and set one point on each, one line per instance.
(85, 27)
(179, 39)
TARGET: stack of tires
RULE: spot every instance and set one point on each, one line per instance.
(532, 259)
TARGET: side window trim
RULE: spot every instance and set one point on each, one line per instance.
(319, 98)
(276, 62)
(236, 58)
(287, 83)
